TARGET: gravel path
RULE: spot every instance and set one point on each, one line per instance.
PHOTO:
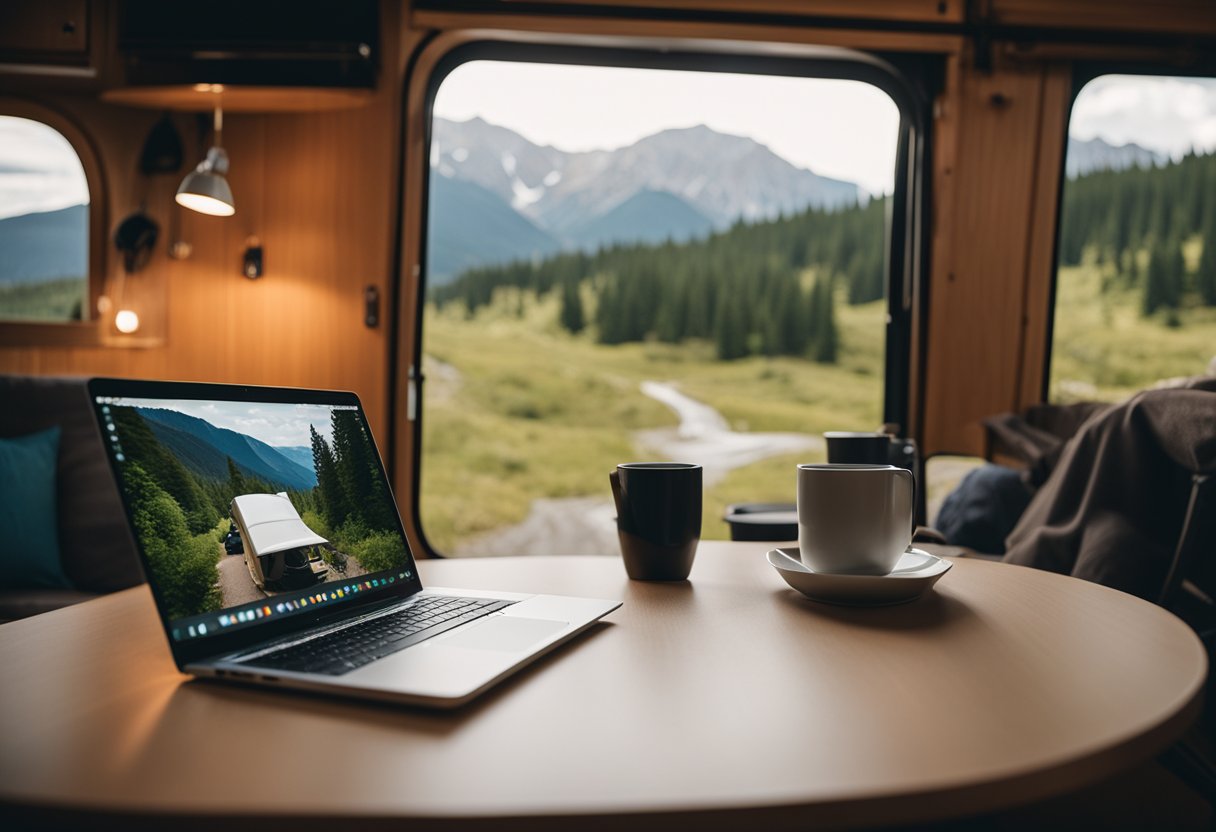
(703, 436)
(235, 583)
(586, 525)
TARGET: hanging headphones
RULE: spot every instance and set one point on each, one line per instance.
(135, 238)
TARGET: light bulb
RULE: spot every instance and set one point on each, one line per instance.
(126, 321)
(205, 204)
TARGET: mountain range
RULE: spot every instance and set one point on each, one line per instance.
(497, 196)
(1088, 155)
(206, 449)
(44, 246)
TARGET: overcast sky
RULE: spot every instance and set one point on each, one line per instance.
(843, 129)
(1170, 115)
(280, 425)
(39, 170)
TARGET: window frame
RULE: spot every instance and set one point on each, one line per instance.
(1083, 73)
(906, 249)
(88, 330)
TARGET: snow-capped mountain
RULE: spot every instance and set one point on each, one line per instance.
(1088, 155)
(499, 160)
(677, 184)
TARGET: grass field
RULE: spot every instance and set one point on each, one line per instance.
(1104, 349)
(51, 300)
(516, 409)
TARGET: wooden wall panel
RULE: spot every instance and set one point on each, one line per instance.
(318, 190)
(1197, 17)
(987, 169)
(754, 35)
(904, 10)
(1037, 310)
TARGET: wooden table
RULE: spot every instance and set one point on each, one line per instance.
(729, 701)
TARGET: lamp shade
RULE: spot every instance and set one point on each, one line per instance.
(205, 189)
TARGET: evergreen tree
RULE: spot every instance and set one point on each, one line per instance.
(358, 472)
(790, 319)
(826, 345)
(236, 480)
(1175, 273)
(329, 489)
(1205, 278)
(730, 335)
(141, 445)
(1161, 284)
(184, 565)
(572, 319)
(696, 305)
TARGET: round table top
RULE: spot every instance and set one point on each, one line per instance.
(728, 700)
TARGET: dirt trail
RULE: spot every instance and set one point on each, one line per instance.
(586, 525)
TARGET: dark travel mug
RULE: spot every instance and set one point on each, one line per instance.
(658, 506)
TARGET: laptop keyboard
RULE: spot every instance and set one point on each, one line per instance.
(352, 647)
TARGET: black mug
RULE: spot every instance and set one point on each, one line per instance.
(658, 506)
(854, 448)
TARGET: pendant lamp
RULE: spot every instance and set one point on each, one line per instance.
(205, 189)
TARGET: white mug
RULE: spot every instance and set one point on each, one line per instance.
(854, 519)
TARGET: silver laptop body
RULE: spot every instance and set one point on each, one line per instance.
(273, 547)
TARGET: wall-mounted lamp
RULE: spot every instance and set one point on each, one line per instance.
(135, 238)
(205, 189)
(126, 321)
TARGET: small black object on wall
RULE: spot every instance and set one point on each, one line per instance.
(162, 151)
(252, 266)
(371, 307)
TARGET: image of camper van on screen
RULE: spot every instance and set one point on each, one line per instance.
(236, 502)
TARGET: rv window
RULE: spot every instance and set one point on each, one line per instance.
(627, 263)
(1135, 297)
(44, 225)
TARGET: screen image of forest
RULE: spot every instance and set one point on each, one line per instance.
(199, 475)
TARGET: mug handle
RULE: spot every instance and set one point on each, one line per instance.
(614, 477)
(910, 492)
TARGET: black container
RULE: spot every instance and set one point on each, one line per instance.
(658, 508)
(869, 448)
(762, 521)
(854, 448)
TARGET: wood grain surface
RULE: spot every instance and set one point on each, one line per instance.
(727, 700)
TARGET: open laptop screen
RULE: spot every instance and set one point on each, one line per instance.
(252, 512)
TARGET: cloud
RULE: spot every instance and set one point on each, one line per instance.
(279, 425)
(1168, 114)
(39, 169)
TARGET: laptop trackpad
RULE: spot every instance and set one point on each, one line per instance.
(502, 632)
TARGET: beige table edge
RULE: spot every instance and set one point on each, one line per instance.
(716, 562)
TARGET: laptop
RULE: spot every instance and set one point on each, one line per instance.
(273, 547)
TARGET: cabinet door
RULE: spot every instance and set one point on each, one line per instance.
(51, 28)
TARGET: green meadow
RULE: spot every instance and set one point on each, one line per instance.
(1104, 349)
(516, 408)
(51, 300)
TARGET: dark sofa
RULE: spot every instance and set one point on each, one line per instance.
(95, 544)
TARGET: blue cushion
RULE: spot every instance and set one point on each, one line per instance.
(983, 510)
(29, 527)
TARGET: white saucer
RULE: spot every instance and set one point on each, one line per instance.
(914, 574)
